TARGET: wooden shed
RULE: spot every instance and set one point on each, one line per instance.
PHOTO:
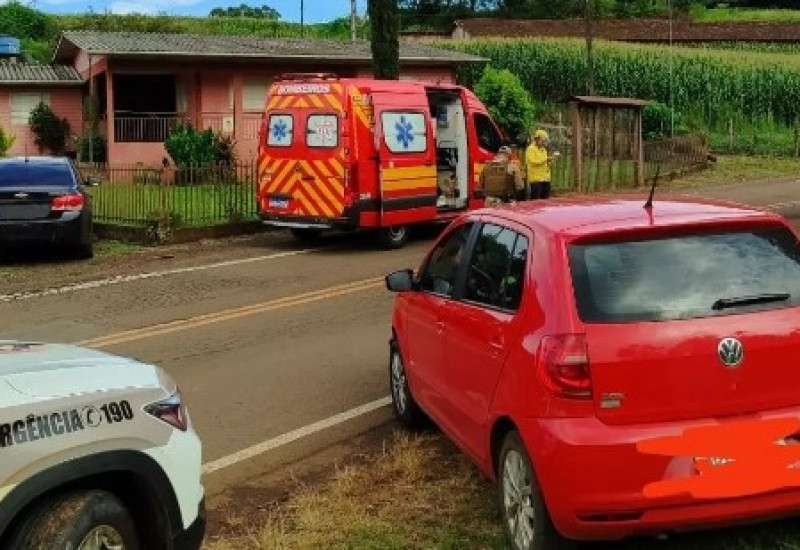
(606, 138)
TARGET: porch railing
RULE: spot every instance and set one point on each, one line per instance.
(144, 127)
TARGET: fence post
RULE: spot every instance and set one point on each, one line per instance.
(730, 135)
(796, 137)
(577, 149)
(639, 149)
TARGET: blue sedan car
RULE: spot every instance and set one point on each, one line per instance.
(44, 200)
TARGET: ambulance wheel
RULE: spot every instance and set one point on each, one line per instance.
(307, 236)
(393, 237)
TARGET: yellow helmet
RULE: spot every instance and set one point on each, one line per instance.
(540, 134)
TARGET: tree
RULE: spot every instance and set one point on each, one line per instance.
(508, 102)
(24, 22)
(243, 10)
(385, 43)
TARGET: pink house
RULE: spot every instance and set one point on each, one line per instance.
(145, 82)
(23, 85)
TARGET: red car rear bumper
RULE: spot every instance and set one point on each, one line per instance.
(594, 478)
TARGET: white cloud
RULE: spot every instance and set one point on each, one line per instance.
(148, 7)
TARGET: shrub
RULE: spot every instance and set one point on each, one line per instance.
(51, 132)
(6, 141)
(190, 147)
(98, 149)
(658, 119)
(508, 102)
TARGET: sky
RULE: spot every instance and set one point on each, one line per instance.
(316, 11)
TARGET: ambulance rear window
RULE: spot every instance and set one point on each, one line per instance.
(323, 131)
(281, 131)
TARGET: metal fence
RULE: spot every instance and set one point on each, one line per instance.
(196, 196)
(191, 196)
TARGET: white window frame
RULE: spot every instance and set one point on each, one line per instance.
(254, 94)
(20, 114)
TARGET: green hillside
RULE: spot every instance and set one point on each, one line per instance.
(39, 31)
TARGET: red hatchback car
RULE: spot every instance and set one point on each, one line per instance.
(602, 360)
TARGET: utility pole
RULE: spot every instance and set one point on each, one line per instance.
(302, 20)
(353, 22)
(589, 47)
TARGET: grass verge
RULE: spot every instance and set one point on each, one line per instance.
(740, 169)
(416, 493)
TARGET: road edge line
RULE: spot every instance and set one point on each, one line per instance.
(290, 437)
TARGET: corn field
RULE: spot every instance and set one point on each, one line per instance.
(715, 85)
(758, 47)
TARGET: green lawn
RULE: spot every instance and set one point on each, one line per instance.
(189, 206)
(719, 15)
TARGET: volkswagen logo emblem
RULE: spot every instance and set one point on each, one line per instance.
(731, 352)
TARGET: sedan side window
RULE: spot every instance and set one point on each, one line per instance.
(439, 276)
(497, 268)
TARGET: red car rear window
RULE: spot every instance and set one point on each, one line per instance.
(687, 276)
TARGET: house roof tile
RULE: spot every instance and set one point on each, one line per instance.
(20, 72)
(141, 44)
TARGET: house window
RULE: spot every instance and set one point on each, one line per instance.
(22, 103)
(405, 132)
(281, 131)
(254, 94)
(323, 131)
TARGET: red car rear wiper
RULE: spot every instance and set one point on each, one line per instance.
(725, 303)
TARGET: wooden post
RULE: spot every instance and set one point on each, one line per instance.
(639, 149)
(598, 150)
(730, 135)
(612, 116)
(577, 150)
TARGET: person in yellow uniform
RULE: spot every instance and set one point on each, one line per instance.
(538, 162)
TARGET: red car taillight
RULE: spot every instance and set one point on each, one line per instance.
(67, 203)
(170, 410)
(564, 365)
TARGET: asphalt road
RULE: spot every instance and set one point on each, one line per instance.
(260, 346)
(264, 338)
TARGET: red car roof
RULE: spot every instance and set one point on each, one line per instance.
(606, 214)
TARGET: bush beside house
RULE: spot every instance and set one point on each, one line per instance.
(6, 141)
(51, 132)
(509, 103)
